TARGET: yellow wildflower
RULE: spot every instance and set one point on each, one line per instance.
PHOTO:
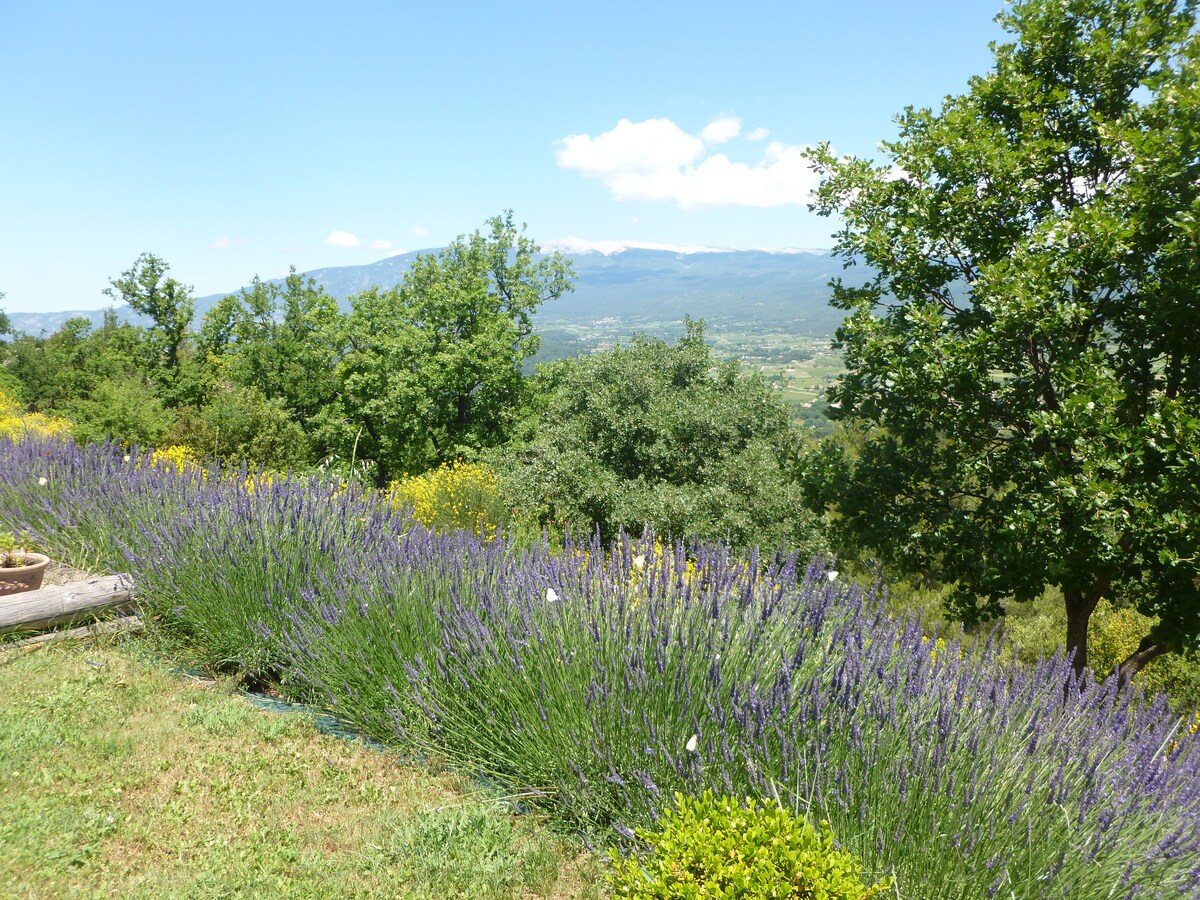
(16, 424)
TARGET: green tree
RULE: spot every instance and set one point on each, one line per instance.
(1024, 363)
(660, 435)
(51, 370)
(432, 369)
(283, 340)
(149, 291)
(97, 377)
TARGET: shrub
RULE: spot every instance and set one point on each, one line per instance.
(708, 848)
(240, 425)
(178, 458)
(124, 409)
(660, 436)
(16, 424)
(454, 496)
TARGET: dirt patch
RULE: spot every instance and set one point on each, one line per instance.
(60, 573)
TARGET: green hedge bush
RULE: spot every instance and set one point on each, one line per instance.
(711, 848)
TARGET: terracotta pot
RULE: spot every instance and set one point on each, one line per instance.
(24, 578)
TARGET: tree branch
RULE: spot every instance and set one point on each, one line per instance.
(1148, 649)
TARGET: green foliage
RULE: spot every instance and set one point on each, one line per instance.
(98, 377)
(168, 304)
(657, 435)
(241, 425)
(125, 410)
(432, 370)
(720, 848)
(14, 551)
(1025, 362)
(55, 370)
(281, 340)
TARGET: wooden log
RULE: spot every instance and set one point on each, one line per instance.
(123, 625)
(60, 604)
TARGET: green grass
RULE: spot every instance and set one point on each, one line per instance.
(121, 778)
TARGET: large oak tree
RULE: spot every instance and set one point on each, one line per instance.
(1024, 361)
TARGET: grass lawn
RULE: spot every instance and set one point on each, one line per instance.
(121, 778)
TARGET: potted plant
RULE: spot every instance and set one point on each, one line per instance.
(20, 568)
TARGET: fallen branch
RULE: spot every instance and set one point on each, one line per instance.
(123, 625)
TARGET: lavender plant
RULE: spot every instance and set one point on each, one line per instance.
(608, 677)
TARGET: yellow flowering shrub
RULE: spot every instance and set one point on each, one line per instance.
(455, 495)
(1194, 728)
(177, 458)
(16, 424)
(258, 480)
(1189, 727)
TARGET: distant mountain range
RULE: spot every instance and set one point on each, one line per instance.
(626, 285)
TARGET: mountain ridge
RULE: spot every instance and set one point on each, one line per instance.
(630, 284)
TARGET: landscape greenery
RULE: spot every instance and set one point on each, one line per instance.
(598, 680)
(120, 777)
(1024, 363)
(591, 582)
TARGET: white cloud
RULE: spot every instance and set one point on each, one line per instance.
(642, 147)
(224, 243)
(381, 245)
(342, 239)
(392, 253)
(419, 231)
(658, 161)
(757, 134)
(719, 131)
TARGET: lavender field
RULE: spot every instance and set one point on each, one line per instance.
(599, 680)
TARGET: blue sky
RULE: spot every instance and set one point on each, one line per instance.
(235, 139)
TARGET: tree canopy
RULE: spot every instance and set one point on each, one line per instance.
(432, 368)
(1024, 363)
(660, 435)
(169, 305)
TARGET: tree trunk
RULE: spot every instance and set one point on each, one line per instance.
(62, 603)
(1079, 605)
(1148, 649)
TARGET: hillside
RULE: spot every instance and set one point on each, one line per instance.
(623, 290)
